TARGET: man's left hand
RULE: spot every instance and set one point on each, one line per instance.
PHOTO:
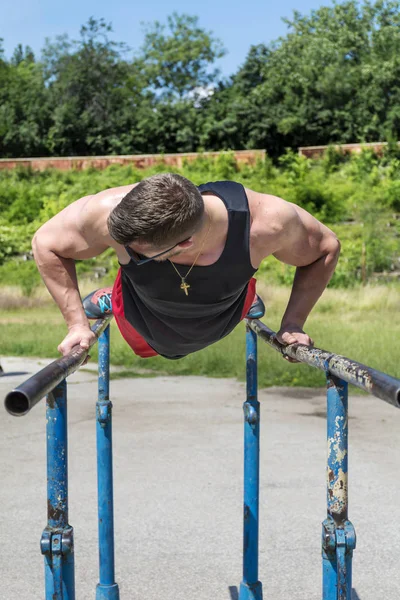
(292, 334)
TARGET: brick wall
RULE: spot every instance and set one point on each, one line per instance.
(140, 161)
(318, 151)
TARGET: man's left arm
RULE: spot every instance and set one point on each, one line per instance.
(296, 238)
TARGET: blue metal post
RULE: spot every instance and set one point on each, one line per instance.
(338, 535)
(106, 589)
(250, 587)
(57, 544)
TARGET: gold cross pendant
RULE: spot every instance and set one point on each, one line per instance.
(185, 286)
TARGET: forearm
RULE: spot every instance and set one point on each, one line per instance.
(59, 276)
(309, 283)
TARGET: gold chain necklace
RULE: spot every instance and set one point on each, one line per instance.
(185, 286)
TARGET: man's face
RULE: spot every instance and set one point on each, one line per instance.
(167, 255)
(162, 254)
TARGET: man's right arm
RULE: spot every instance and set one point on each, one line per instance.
(77, 232)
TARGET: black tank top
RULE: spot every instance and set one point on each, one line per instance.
(175, 324)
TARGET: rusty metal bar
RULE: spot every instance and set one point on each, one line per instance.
(20, 401)
(372, 381)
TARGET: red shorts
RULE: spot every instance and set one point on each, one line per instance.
(129, 333)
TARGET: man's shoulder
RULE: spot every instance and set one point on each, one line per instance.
(269, 218)
(98, 206)
(92, 212)
(265, 207)
(108, 199)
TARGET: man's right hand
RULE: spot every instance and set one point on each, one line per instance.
(78, 334)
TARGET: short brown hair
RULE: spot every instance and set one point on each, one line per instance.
(159, 210)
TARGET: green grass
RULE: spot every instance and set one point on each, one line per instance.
(361, 324)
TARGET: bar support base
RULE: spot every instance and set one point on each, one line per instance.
(251, 591)
(107, 592)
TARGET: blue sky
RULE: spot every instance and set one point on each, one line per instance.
(237, 24)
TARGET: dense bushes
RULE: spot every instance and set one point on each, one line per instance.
(357, 197)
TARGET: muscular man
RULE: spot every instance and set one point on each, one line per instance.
(187, 258)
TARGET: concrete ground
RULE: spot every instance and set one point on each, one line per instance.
(178, 490)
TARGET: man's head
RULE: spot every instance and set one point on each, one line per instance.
(161, 211)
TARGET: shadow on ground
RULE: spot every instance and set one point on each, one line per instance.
(13, 373)
(234, 593)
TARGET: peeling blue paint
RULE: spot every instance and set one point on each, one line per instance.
(338, 535)
(57, 543)
(250, 587)
(106, 589)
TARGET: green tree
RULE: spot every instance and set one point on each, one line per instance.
(333, 78)
(24, 106)
(231, 112)
(22, 54)
(93, 92)
(178, 58)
